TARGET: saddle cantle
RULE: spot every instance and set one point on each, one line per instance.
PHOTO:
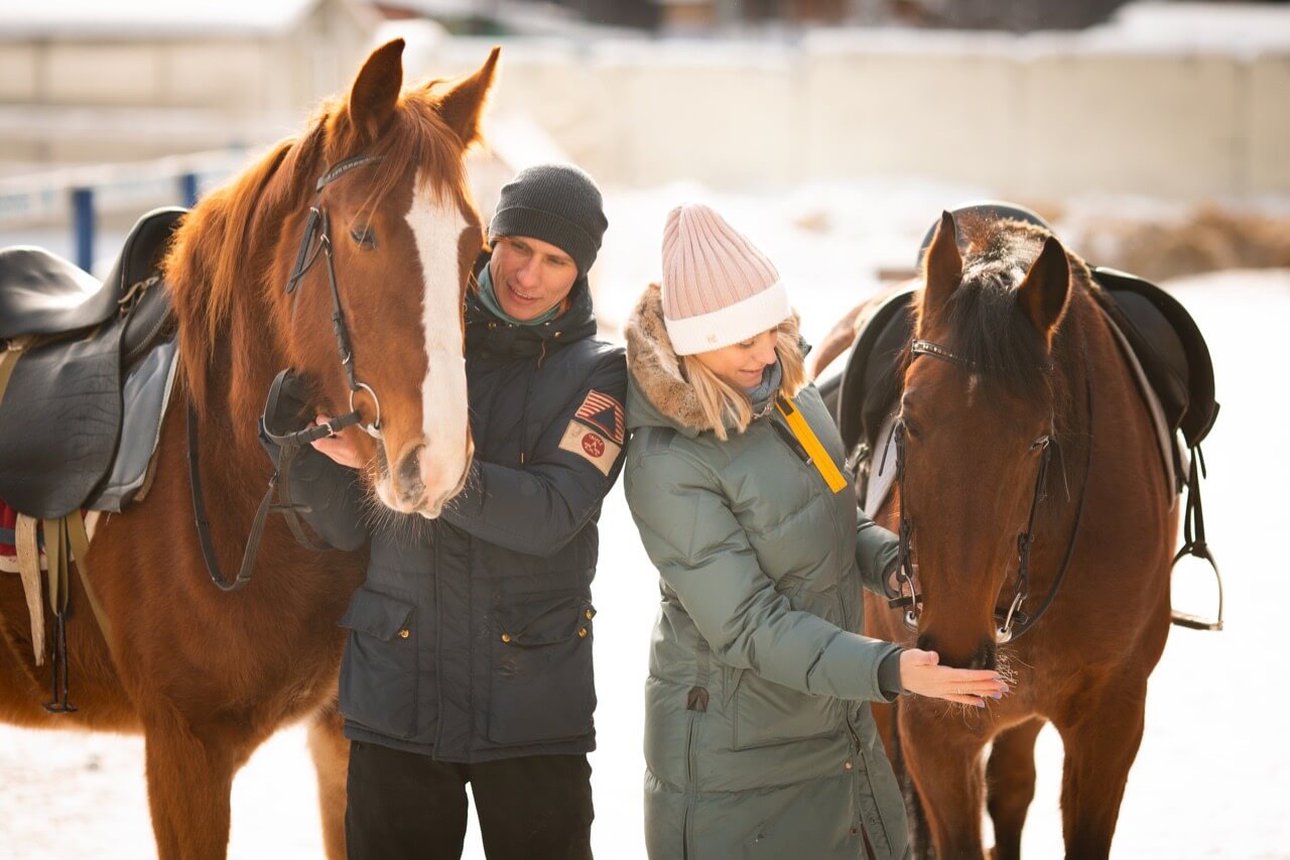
(41, 293)
(82, 363)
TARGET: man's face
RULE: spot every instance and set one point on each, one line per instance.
(530, 276)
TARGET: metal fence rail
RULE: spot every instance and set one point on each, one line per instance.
(77, 196)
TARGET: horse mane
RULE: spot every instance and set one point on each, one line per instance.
(223, 250)
(987, 325)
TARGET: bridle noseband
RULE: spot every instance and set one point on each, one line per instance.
(316, 228)
(1012, 622)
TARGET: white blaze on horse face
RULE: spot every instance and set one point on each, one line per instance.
(437, 223)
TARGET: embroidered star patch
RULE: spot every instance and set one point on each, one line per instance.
(603, 413)
(590, 445)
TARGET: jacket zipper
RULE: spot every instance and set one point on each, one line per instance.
(691, 793)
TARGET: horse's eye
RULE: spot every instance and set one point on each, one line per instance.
(911, 429)
(363, 236)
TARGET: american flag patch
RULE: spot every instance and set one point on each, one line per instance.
(603, 413)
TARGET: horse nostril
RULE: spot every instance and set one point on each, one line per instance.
(409, 475)
(985, 657)
(926, 643)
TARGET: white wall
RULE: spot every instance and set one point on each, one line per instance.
(1038, 116)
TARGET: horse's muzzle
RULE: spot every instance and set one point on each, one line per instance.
(419, 485)
(985, 656)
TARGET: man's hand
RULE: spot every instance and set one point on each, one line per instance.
(338, 447)
(921, 673)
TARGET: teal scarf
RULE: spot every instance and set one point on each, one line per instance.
(488, 298)
(763, 394)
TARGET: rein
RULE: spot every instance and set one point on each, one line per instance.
(316, 228)
(1013, 621)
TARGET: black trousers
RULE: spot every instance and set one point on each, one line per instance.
(407, 805)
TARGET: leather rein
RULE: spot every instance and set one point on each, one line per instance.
(1012, 621)
(316, 240)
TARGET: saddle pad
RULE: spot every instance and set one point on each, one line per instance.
(145, 396)
(8, 549)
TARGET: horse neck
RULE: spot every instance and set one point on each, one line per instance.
(247, 351)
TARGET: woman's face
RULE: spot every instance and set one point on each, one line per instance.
(741, 364)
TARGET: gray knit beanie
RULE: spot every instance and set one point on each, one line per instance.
(556, 203)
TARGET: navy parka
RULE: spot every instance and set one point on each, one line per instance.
(471, 638)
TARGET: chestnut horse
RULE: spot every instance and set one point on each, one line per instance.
(206, 676)
(1033, 502)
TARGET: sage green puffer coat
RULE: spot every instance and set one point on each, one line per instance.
(758, 736)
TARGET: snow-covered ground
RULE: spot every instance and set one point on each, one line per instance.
(1213, 774)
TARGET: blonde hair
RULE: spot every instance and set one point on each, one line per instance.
(722, 403)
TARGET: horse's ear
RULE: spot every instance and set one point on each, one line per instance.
(942, 264)
(1044, 292)
(462, 106)
(376, 89)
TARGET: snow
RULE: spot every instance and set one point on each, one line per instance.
(1214, 768)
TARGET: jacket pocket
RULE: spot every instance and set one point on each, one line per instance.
(542, 686)
(765, 714)
(378, 675)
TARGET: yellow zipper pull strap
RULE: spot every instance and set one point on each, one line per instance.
(811, 445)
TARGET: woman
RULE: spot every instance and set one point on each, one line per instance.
(759, 741)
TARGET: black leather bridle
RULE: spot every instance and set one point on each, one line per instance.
(1012, 621)
(316, 240)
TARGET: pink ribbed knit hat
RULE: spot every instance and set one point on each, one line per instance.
(718, 289)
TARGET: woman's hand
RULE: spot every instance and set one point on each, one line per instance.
(339, 447)
(921, 673)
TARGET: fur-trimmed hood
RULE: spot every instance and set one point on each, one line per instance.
(658, 394)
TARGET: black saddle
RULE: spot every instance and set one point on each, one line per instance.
(84, 352)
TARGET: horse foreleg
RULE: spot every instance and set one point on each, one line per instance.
(1101, 744)
(1010, 785)
(942, 747)
(330, 751)
(189, 785)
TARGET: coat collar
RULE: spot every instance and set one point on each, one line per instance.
(656, 370)
(657, 384)
(488, 335)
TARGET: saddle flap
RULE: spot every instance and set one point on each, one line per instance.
(1170, 348)
(59, 424)
(871, 379)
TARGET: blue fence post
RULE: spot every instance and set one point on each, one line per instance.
(83, 226)
(188, 189)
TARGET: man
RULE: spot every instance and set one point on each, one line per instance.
(469, 653)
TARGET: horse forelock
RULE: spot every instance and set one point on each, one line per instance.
(985, 322)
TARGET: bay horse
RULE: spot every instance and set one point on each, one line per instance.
(1038, 528)
(207, 676)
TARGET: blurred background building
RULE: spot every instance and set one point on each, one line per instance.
(1026, 99)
